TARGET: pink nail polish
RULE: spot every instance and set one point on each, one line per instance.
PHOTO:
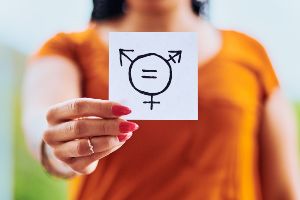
(126, 127)
(119, 110)
(124, 137)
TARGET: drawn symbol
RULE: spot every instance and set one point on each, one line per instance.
(150, 74)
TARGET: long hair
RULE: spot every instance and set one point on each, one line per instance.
(106, 9)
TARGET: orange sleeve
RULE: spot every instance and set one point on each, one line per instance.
(266, 72)
(59, 45)
(261, 64)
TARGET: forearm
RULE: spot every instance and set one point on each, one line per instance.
(279, 151)
(34, 124)
(47, 82)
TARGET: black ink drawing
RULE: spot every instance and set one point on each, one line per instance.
(147, 72)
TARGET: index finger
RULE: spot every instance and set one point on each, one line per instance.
(85, 107)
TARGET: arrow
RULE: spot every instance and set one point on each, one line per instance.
(121, 52)
(175, 54)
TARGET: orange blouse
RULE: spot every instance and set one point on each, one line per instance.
(215, 157)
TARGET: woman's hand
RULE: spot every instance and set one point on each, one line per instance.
(82, 131)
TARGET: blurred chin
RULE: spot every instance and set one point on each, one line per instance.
(151, 6)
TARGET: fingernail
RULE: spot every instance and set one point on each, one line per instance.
(126, 127)
(119, 110)
(124, 137)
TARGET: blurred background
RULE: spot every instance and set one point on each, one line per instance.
(26, 24)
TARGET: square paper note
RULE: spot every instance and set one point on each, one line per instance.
(155, 74)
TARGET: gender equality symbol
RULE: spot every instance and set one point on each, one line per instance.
(150, 74)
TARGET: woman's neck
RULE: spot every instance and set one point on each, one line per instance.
(179, 18)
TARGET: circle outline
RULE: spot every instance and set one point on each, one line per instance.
(144, 92)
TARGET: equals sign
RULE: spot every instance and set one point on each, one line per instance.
(149, 70)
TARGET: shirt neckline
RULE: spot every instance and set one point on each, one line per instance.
(209, 61)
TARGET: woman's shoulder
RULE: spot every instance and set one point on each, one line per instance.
(241, 36)
(249, 53)
(76, 37)
(69, 43)
(242, 48)
(243, 45)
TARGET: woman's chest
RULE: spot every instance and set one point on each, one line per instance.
(228, 110)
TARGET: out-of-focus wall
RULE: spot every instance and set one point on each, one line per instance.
(9, 61)
(276, 24)
(26, 24)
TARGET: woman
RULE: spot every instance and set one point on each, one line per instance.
(242, 146)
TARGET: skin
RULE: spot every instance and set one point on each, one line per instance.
(278, 144)
(53, 115)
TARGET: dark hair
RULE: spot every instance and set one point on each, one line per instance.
(106, 9)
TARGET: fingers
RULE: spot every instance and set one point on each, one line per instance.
(87, 164)
(82, 147)
(87, 128)
(72, 122)
(85, 107)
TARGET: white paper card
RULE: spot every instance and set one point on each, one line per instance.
(155, 74)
